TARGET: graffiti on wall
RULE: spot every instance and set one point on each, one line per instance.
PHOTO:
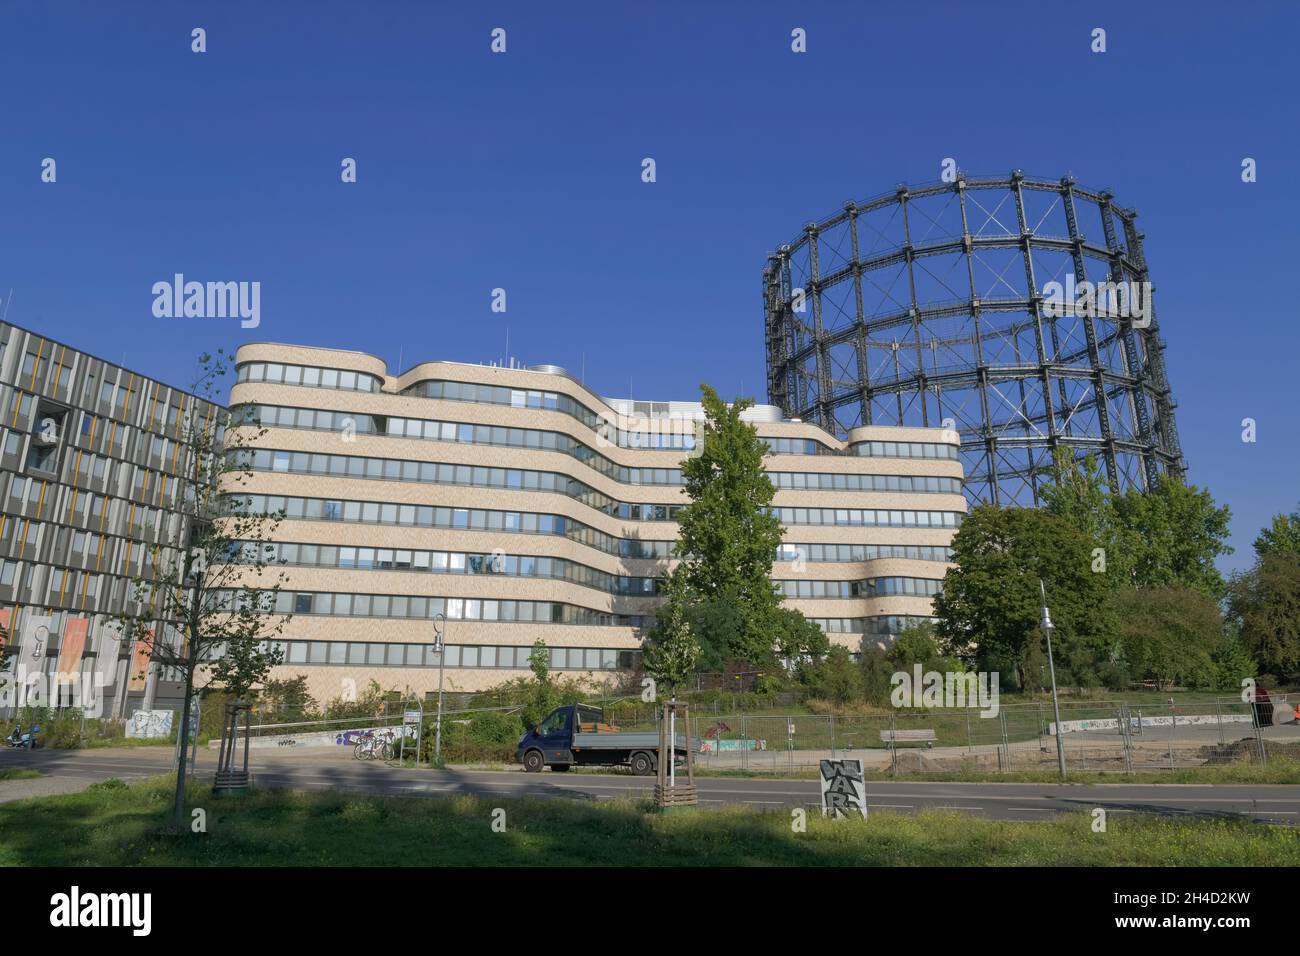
(150, 724)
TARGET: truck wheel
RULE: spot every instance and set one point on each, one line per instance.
(560, 767)
(642, 763)
(533, 761)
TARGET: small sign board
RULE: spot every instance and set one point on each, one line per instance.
(412, 717)
(844, 789)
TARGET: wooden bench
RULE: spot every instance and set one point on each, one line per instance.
(891, 738)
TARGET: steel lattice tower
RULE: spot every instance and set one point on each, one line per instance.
(927, 304)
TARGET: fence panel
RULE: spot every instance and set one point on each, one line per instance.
(1103, 736)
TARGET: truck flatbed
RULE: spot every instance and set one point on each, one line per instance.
(629, 740)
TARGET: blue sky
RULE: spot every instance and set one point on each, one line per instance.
(522, 171)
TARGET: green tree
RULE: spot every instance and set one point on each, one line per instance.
(722, 591)
(287, 700)
(836, 678)
(540, 696)
(539, 661)
(990, 600)
(205, 604)
(1079, 492)
(1177, 532)
(1170, 635)
(1264, 604)
(920, 643)
(798, 639)
(877, 669)
(728, 537)
(1282, 536)
(672, 650)
(1232, 665)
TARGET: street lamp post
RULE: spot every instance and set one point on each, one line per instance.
(439, 625)
(1046, 623)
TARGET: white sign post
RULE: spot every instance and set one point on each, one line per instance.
(844, 789)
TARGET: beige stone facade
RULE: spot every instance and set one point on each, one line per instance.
(521, 505)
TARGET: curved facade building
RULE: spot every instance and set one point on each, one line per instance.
(522, 506)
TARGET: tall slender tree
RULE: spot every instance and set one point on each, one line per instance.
(204, 605)
(722, 589)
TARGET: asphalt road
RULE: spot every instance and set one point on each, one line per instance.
(332, 770)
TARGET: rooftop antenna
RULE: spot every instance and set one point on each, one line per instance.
(5, 316)
(508, 361)
(401, 349)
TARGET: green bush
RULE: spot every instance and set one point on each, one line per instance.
(486, 736)
(63, 732)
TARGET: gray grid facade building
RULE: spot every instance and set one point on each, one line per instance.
(90, 465)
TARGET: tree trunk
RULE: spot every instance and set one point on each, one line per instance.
(184, 738)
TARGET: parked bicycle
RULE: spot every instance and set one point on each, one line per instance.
(373, 745)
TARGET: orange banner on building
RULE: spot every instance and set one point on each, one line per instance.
(140, 663)
(5, 615)
(71, 649)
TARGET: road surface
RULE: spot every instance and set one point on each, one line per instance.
(328, 769)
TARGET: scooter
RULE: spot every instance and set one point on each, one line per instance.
(25, 741)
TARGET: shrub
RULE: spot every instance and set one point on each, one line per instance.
(489, 735)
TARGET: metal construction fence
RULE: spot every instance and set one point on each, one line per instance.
(1098, 736)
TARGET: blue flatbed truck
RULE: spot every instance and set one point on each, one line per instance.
(576, 735)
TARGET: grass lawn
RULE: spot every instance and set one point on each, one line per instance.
(18, 773)
(96, 743)
(116, 824)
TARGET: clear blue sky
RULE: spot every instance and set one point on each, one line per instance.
(522, 171)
